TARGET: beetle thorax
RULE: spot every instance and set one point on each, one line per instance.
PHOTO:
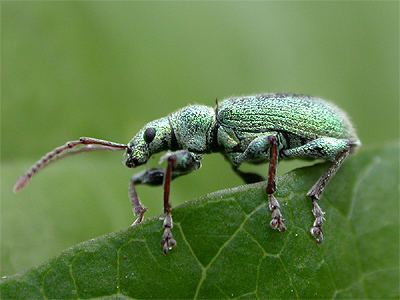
(193, 127)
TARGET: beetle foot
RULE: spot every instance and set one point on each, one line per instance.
(139, 212)
(317, 233)
(168, 241)
(277, 222)
(316, 230)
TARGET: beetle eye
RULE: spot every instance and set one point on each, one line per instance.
(149, 135)
(129, 151)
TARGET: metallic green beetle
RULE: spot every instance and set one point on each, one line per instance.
(252, 129)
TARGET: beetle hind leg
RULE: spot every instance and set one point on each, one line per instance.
(331, 149)
(316, 191)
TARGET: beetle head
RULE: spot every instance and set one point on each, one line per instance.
(152, 138)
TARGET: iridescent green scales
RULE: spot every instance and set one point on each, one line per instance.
(252, 129)
(257, 129)
(305, 116)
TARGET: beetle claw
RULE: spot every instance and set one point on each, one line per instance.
(277, 222)
(168, 241)
(317, 233)
(316, 230)
(139, 211)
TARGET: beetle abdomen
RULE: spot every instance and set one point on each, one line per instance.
(305, 116)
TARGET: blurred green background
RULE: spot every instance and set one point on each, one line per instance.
(104, 69)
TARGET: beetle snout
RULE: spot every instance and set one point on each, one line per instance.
(131, 162)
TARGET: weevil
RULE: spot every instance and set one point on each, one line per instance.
(252, 129)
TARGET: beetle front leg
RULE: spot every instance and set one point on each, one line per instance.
(168, 240)
(137, 206)
(151, 177)
(180, 162)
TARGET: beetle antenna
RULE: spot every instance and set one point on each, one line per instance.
(69, 148)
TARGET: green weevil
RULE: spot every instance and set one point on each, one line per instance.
(251, 129)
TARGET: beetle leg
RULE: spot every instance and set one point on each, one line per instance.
(258, 150)
(168, 240)
(137, 206)
(248, 177)
(325, 147)
(277, 221)
(332, 149)
(152, 177)
(316, 191)
(227, 138)
(179, 162)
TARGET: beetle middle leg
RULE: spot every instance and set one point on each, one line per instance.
(178, 163)
(258, 150)
(277, 222)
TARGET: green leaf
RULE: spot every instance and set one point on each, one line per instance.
(227, 250)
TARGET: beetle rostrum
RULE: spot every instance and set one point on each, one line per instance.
(246, 129)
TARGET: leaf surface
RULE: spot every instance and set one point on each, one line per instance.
(227, 250)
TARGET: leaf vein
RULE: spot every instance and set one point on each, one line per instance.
(118, 271)
(246, 218)
(290, 279)
(189, 246)
(71, 273)
(42, 290)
